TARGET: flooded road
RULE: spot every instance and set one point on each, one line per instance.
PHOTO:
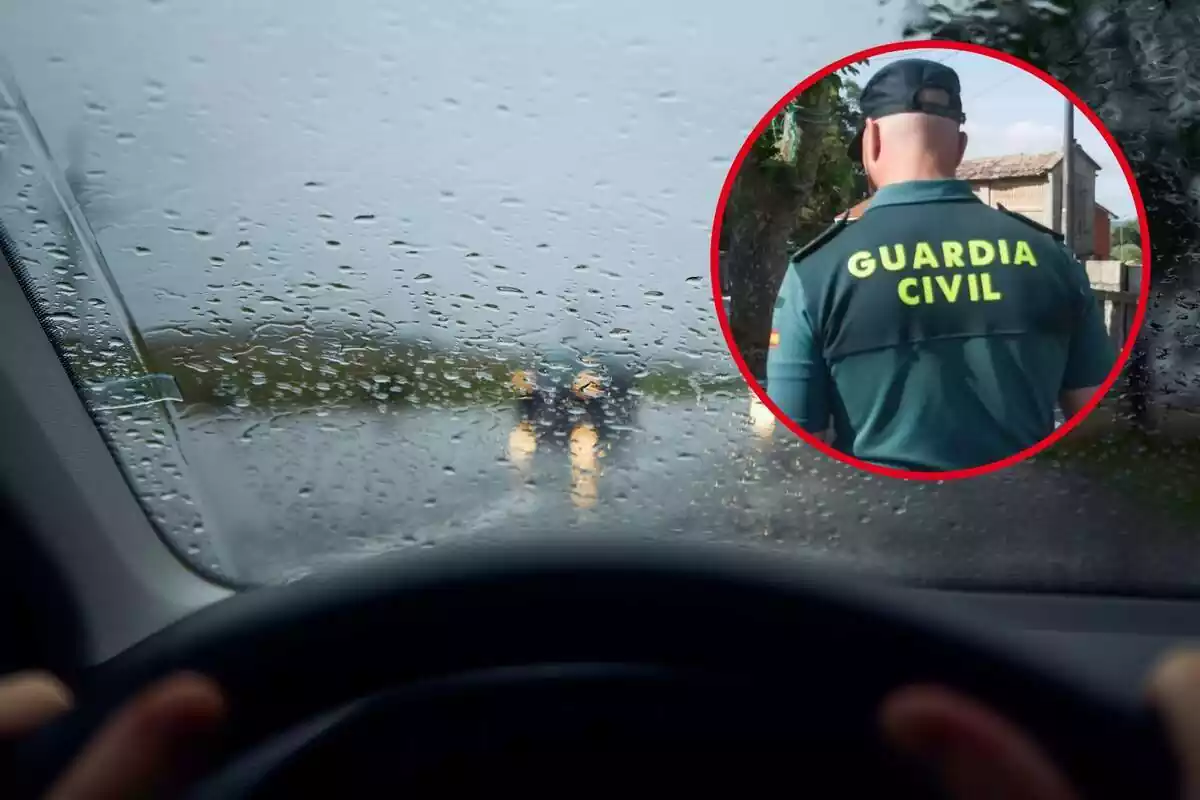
(288, 493)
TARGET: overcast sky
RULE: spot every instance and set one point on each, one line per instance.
(551, 169)
(1010, 111)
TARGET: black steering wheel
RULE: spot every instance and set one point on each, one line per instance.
(588, 668)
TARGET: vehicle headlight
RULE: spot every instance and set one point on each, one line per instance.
(762, 421)
(522, 444)
(588, 385)
(523, 382)
(585, 450)
(584, 447)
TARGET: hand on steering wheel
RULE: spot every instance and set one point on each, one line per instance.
(149, 748)
(734, 675)
(977, 753)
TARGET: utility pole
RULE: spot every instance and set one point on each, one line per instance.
(1068, 163)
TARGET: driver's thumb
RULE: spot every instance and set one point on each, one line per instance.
(1175, 691)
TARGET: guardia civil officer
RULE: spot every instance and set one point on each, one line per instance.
(935, 332)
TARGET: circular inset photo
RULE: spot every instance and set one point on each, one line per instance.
(918, 262)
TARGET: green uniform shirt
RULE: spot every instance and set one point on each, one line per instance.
(935, 332)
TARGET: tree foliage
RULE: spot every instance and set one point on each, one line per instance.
(1136, 63)
(1127, 253)
(1126, 233)
(796, 177)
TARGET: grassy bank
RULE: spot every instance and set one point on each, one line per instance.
(674, 383)
(1160, 470)
(344, 369)
(329, 371)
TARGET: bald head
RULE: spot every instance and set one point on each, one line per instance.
(908, 147)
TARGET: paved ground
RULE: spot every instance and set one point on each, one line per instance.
(284, 494)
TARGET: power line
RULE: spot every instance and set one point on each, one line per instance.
(993, 87)
(949, 53)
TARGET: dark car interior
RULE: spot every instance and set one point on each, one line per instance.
(594, 667)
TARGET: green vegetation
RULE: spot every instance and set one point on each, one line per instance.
(1120, 59)
(1154, 470)
(1128, 253)
(1125, 233)
(795, 179)
(327, 371)
(340, 369)
(673, 382)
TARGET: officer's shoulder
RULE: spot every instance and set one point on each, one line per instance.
(1058, 237)
(821, 239)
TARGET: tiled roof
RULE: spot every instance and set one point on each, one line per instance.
(1020, 165)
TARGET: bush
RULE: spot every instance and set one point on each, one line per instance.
(1127, 253)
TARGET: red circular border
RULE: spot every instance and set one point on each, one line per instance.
(1066, 427)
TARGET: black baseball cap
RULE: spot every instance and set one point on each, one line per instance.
(912, 84)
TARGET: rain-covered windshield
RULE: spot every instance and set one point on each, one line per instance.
(339, 281)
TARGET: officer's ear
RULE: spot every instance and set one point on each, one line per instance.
(871, 144)
(962, 146)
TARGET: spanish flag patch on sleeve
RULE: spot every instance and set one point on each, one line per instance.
(774, 338)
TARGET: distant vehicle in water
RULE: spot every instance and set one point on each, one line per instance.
(563, 389)
(575, 406)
